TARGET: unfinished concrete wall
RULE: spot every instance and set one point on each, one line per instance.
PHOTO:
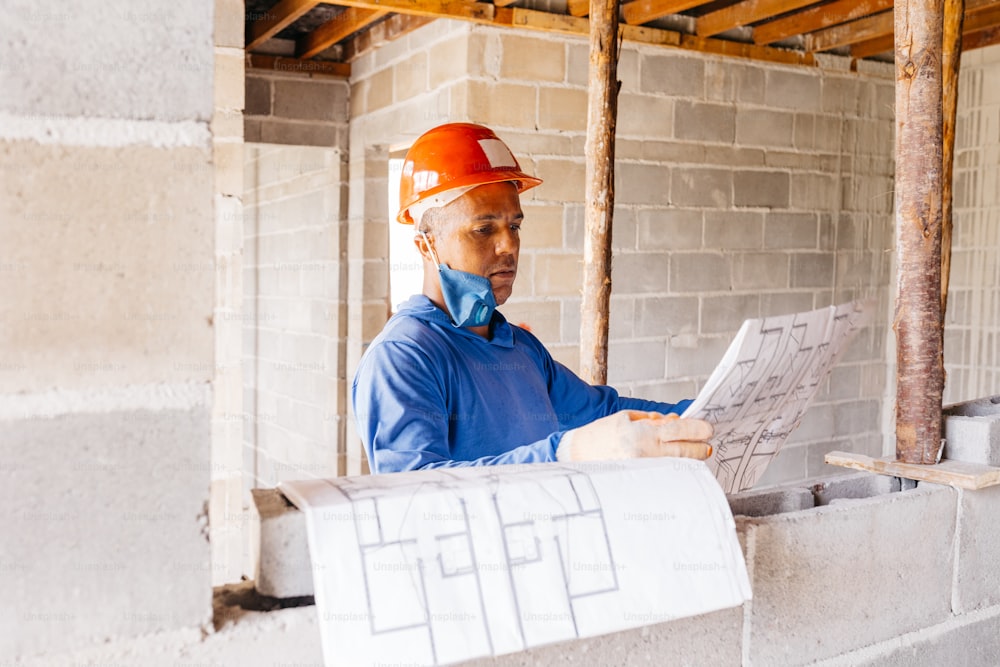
(972, 336)
(743, 189)
(293, 333)
(107, 255)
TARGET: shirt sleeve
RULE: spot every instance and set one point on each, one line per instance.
(402, 416)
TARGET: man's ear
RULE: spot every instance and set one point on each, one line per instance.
(423, 247)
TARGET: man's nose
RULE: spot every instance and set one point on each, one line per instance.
(507, 242)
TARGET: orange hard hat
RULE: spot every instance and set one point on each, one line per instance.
(456, 155)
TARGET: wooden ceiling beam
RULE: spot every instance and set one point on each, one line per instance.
(638, 12)
(872, 47)
(853, 32)
(744, 13)
(578, 7)
(817, 18)
(348, 22)
(295, 65)
(277, 19)
(467, 10)
(978, 40)
(980, 18)
(392, 28)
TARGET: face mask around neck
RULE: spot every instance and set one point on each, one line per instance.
(469, 297)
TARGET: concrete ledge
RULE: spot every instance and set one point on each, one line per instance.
(972, 431)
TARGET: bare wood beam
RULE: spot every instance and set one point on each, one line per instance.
(638, 12)
(277, 19)
(817, 18)
(310, 67)
(871, 47)
(752, 51)
(981, 18)
(575, 25)
(348, 22)
(503, 3)
(917, 321)
(861, 30)
(951, 60)
(978, 40)
(977, 12)
(392, 28)
(744, 13)
(602, 116)
(578, 7)
(468, 10)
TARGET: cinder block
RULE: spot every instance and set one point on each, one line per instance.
(725, 230)
(126, 295)
(978, 580)
(448, 61)
(968, 641)
(666, 316)
(972, 431)
(544, 318)
(766, 189)
(643, 117)
(840, 95)
(642, 184)
(563, 109)
(258, 96)
(764, 127)
(788, 89)
(790, 230)
(230, 23)
(138, 60)
(768, 502)
(542, 228)
(670, 229)
(110, 514)
(517, 109)
(558, 275)
(811, 270)
(711, 188)
(300, 134)
(704, 122)
(311, 99)
(729, 81)
(725, 313)
(670, 74)
(532, 59)
(410, 77)
(854, 485)
(808, 567)
(761, 270)
(628, 362)
(700, 272)
(565, 180)
(229, 79)
(709, 639)
(684, 361)
(640, 273)
(286, 569)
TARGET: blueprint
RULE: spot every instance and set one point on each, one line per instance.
(441, 566)
(764, 384)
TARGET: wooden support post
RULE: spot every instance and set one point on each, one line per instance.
(951, 60)
(917, 322)
(602, 115)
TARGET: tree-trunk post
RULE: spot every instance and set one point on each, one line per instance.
(602, 113)
(917, 322)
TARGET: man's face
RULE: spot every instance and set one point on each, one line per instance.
(480, 234)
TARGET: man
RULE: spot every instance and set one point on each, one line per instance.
(449, 382)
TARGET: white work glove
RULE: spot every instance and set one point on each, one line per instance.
(633, 433)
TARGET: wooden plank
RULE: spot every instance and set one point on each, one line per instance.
(578, 7)
(977, 15)
(744, 13)
(741, 50)
(638, 12)
(861, 30)
(394, 27)
(817, 18)
(310, 67)
(277, 19)
(978, 40)
(467, 10)
(345, 24)
(981, 19)
(542, 21)
(953, 473)
(872, 47)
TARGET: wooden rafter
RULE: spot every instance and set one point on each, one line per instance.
(578, 7)
(310, 67)
(348, 22)
(871, 47)
(638, 12)
(817, 18)
(393, 27)
(456, 9)
(870, 27)
(978, 40)
(744, 13)
(979, 16)
(277, 19)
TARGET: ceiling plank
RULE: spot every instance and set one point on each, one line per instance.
(743, 50)
(638, 12)
(348, 22)
(844, 34)
(872, 47)
(277, 19)
(981, 19)
(817, 18)
(310, 67)
(978, 40)
(468, 10)
(744, 13)
(392, 28)
(578, 7)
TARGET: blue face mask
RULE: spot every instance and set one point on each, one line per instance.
(469, 297)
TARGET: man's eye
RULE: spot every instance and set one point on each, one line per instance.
(515, 228)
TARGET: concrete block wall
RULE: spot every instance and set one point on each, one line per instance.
(293, 332)
(107, 209)
(295, 109)
(972, 355)
(742, 190)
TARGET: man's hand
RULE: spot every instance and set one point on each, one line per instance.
(632, 433)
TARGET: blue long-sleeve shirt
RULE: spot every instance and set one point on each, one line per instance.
(430, 394)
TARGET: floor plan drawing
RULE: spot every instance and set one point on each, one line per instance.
(440, 566)
(766, 381)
